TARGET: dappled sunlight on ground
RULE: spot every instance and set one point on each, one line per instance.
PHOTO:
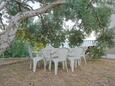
(95, 73)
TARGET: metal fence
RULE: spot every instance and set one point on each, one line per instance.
(88, 43)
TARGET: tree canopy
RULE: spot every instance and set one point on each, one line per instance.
(48, 28)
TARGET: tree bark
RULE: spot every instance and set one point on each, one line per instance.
(3, 4)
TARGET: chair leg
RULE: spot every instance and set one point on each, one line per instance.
(34, 65)
(66, 65)
(76, 63)
(79, 61)
(44, 64)
(72, 65)
(85, 60)
(56, 67)
(30, 64)
(63, 63)
(50, 65)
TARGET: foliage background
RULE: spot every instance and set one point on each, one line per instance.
(48, 29)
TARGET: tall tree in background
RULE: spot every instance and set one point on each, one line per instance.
(94, 16)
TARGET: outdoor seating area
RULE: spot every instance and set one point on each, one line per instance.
(66, 56)
(57, 42)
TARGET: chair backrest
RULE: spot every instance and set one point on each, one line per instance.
(84, 50)
(30, 50)
(47, 51)
(33, 53)
(61, 53)
(76, 52)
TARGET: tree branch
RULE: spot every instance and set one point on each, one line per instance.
(39, 10)
(8, 35)
(3, 4)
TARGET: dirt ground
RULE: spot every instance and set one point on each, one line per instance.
(95, 73)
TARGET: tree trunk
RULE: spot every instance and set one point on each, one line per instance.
(8, 35)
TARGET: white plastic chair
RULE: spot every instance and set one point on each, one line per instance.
(60, 55)
(74, 56)
(47, 51)
(35, 56)
(83, 53)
